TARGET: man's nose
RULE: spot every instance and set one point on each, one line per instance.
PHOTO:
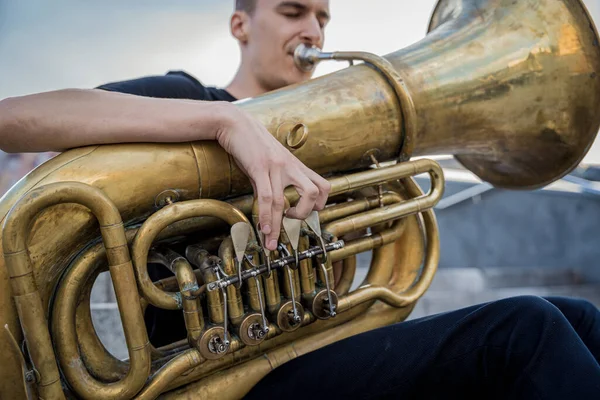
(312, 33)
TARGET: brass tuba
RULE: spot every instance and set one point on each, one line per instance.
(510, 88)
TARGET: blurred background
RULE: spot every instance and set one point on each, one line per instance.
(495, 243)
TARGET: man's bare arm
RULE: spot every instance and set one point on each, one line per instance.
(55, 121)
(63, 119)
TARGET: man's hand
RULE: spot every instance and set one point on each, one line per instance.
(271, 168)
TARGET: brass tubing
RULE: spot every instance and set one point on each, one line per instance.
(192, 311)
(368, 242)
(296, 281)
(187, 283)
(101, 364)
(235, 309)
(353, 207)
(168, 352)
(214, 299)
(376, 291)
(307, 276)
(159, 221)
(27, 298)
(385, 294)
(387, 214)
(253, 292)
(171, 370)
(207, 224)
(285, 287)
(348, 271)
(29, 307)
(272, 292)
(271, 285)
(171, 284)
(293, 272)
(358, 245)
(178, 265)
(66, 339)
(185, 275)
(368, 293)
(287, 290)
(328, 269)
(377, 176)
(197, 255)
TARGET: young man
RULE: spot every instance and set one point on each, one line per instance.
(524, 347)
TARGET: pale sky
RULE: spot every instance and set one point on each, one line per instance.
(54, 44)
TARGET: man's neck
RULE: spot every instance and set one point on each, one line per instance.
(244, 85)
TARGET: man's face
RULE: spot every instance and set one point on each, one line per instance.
(274, 30)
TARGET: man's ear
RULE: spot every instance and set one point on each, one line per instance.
(239, 26)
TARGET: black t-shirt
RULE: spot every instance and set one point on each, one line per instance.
(167, 326)
(173, 85)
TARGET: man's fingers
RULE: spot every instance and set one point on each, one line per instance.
(265, 203)
(324, 189)
(308, 196)
(276, 209)
(323, 186)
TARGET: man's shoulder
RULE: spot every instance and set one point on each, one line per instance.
(174, 84)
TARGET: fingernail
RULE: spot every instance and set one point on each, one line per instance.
(266, 229)
(273, 244)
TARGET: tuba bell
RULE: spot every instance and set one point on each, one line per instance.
(510, 88)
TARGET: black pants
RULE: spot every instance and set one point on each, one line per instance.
(519, 348)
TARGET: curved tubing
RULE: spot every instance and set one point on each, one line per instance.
(33, 321)
(171, 370)
(159, 221)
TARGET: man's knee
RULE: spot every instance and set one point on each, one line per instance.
(521, 323)
(527, 306)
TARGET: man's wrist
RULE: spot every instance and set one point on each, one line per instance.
(226, 116)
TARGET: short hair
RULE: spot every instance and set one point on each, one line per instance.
(245, 5)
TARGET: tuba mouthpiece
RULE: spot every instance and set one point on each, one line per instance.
(306, 57)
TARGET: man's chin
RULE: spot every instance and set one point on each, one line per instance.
(300, 76)
(293, 78)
